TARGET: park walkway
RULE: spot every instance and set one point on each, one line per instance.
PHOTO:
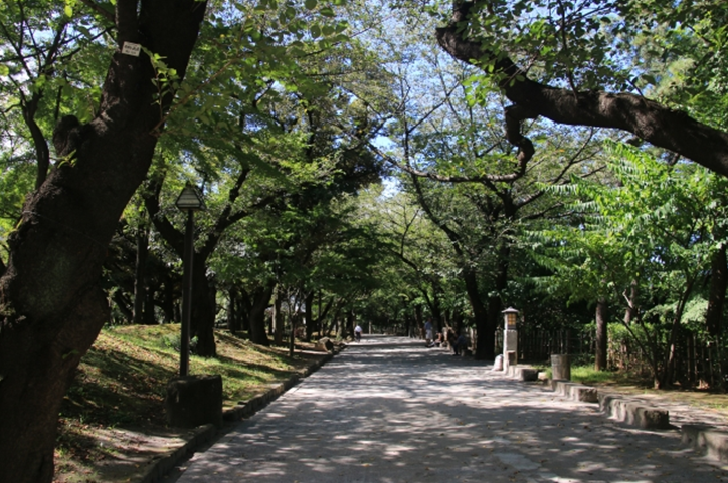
(388, 410)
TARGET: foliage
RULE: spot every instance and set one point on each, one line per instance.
(655, 226)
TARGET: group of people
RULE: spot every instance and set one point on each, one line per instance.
(457, 341)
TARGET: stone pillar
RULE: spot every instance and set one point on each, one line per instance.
(510, 339)
(560, 367)
(510, 349)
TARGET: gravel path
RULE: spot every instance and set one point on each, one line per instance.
(388, 410)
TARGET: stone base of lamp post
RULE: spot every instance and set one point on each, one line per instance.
(510, 348)
(193, 401)
(560, 367)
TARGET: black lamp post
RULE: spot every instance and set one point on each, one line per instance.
(189, 200)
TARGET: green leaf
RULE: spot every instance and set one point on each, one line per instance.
(311, 4)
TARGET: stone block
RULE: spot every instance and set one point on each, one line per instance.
(193, 401)
(706, 439)
(528, 375)
(325, 344)
(579, 392)
(634, 413)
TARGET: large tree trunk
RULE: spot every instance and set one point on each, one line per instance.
(53, 305)
(202, 324)
(600, 357)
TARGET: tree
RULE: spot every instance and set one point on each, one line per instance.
(52, 304)
(654, 225)
(577, 44)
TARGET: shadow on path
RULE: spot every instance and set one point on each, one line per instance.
(389, 410)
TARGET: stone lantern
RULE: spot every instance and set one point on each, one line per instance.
(510, 338)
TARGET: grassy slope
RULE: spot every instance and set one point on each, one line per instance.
(121, 383)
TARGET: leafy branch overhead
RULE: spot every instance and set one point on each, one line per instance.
(553, 81)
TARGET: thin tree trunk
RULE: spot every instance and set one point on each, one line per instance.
(149, 316)
(279, 320)
(631, 311)
(668, 369)
(233, 320)
(309, 316)
(140, 288)
(716, 298)
(600, 357)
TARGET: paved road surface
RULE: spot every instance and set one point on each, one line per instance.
(391, 411)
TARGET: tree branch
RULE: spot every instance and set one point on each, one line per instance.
(661, 126)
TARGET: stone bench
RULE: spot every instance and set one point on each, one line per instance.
(634, 413)
(706, 439)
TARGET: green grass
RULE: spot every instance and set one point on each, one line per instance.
(121, 383)
(587, 375)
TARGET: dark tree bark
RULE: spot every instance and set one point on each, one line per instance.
(600, 357)
(169, 296)
(349, 326)
(260, 300)
(233, 320)
(649, 120)
(630, 313)
(140, 286)
(122, 303)
(279, 322)
(716, 297)
(202, 319)
(310, 322)
(149, 316)
(53, 305)
(244, 305)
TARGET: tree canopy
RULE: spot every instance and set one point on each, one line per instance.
(361, 161)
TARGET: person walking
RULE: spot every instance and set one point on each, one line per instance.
(357, 333)
(428, 331)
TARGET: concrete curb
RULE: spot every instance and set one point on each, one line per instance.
(616, 407)
(524, 374)
(633, 413)
(707, 440)
(574, 391)
(159, 468)
(248, 408)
